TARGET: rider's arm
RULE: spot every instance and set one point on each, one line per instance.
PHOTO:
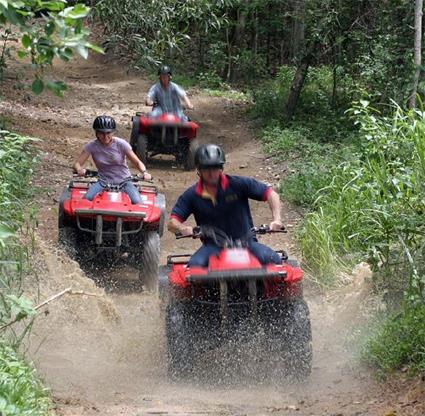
(150, 97)
(78, 165)
(253, 189)
(187, 102)
(275, 206)
(181, 211)
(175, 226)
(138, 164)
(181, 93)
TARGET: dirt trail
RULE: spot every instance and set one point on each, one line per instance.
(103, 353)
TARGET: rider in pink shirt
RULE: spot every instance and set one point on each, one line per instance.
(109, 154)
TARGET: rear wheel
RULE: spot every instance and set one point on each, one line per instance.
(189, 162)
(142, 148)
(149, 260)
(163, 284)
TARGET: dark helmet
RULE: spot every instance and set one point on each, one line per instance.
(164, 70)
(209, 156)
(104, 124)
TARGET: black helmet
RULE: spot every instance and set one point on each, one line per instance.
(209, 156)
(104, 124)
(164, 70)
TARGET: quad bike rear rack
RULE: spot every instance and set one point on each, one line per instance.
(99, 232)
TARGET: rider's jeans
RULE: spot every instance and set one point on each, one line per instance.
(129, 188)
(264, 254)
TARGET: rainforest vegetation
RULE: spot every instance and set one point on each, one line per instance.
(336, 91)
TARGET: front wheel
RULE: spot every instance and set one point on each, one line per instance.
(142, 148)
(180, 341)
(189, 162)
(299, 339)
(135, 128)
(289, 341)
(67, 238)
(149, 261)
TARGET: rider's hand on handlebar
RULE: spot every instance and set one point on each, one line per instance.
(81, 172)
(275, 226)
(144, 176)
(147, 176)
(186, 230)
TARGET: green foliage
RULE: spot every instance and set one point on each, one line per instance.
(21, 392)
(357, 47)
(210, 80)
(16, 168)
(152, 31)
(316, 108)
(399, 342)
(282, 142)
(374, 205)
(318, 139)
(302, 184)
(57, 34)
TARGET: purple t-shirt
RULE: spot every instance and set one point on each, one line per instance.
(110, 160)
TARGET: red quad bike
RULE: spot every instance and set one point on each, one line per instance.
(206, 305)
(110, 228)
(165, 134)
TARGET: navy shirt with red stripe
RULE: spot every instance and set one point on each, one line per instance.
(230, 211)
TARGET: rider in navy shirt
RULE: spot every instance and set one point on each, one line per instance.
(222, 201)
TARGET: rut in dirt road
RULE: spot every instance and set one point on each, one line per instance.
(105, 353)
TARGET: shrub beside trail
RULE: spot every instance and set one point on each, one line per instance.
(21, 392)
(359, 174)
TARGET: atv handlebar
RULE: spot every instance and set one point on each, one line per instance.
(213, 232)
(90, 173)
(265, 229)
(197, 233)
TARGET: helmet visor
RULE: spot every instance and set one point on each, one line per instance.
(212, 166)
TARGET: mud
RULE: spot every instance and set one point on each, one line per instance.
(101, 350)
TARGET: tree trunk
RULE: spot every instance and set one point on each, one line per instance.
(239, 34)
(254, 41)
(298, 28)
(297, 84)
(229, 56)
(240, 25)
(334, 86)
(201, 50)
(418, 51)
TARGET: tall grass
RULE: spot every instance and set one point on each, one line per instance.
(373, 210)
(17, 161)
(373, 207)
(21, 392)
(361, 176)
(399, 342)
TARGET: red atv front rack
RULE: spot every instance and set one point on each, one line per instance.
(99, 232)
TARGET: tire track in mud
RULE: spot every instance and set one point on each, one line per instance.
(104, 354)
